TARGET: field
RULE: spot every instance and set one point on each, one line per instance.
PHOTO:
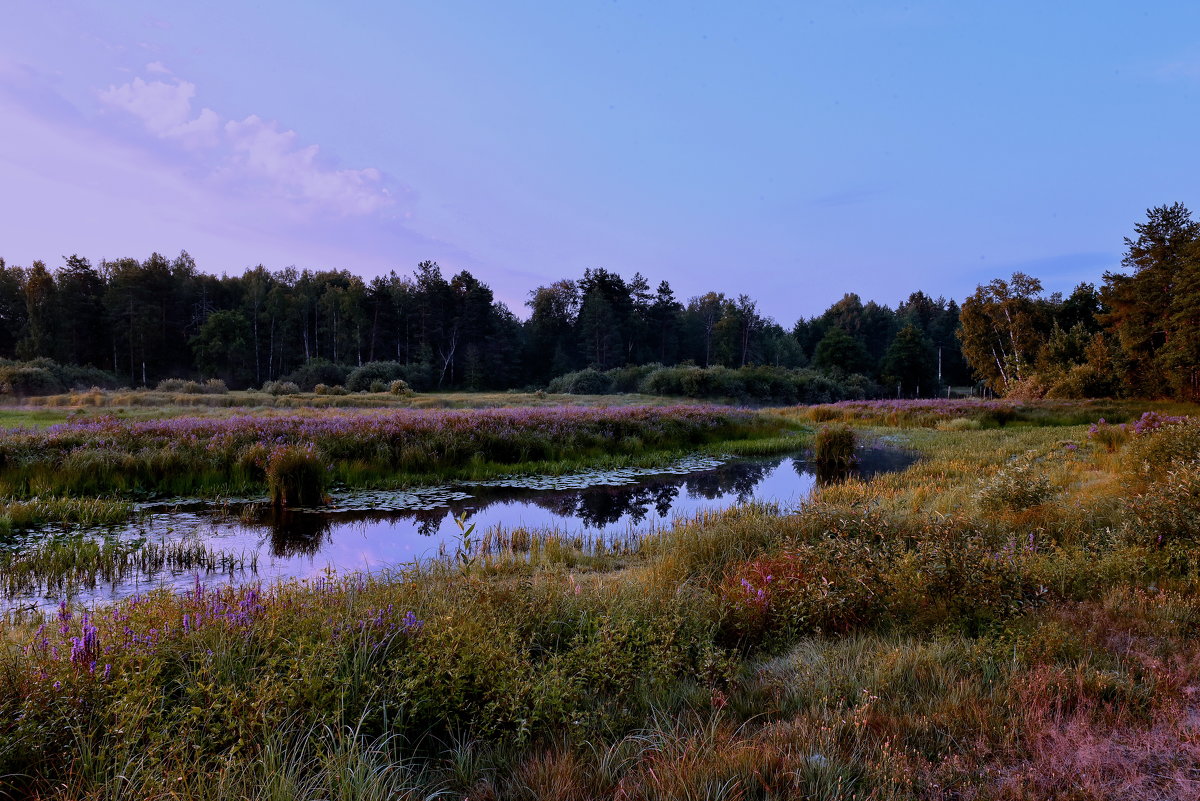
(1015, 616)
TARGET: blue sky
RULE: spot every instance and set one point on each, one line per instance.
(791, 151)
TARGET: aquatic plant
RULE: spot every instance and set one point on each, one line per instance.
(833, 448)
(182, 455)
(296, 476)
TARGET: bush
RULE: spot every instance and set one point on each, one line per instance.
(213, 386)
(22, 380)
(373, 374)
(325, 389)
(47, 377)
(1110, 437)
(1167, 514)
(1016, 486)
(280, 388)
(1159, 444)
(399, 387)
(317, 371)
(823, 414)
(582, 382)
(295, 477)
(630, 377)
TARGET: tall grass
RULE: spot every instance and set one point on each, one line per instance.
(188, 455)
(894, 639)
(64, 566)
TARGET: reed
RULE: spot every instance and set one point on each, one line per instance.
(902, 638)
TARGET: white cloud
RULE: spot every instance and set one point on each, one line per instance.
(166, 110)
(157, 68)
(263, 150)
(253, 151)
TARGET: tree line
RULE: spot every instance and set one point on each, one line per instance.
(144, 321)
(1136, 335)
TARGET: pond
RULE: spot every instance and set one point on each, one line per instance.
(368, 530)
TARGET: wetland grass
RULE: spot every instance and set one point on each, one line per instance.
(65, 566)
(903, 638)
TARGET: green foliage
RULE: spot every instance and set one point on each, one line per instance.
(583, 382)
(318, 371)
(1018, 485)
(840, 351)
(1166, 515)
(47, 377)
(281, 388)
(383, 374)
(911, 362)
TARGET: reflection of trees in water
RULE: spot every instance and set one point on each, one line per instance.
(871, 461)
(735, 478)
(596, 507)
(299, 533)
(603, 506)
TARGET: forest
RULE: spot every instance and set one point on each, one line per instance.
(136, 323)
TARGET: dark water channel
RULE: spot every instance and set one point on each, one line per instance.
(374, 530)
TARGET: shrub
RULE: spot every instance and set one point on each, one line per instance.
(317, 371)
(1016, 486)
(373, 374)
(326, 389)
(1159, 444)
(958, 424)
(280, 388)
(213, 386)
(828, 586)
(22, 380)
(582, 382)
(399, 387)
(1109, 436)
(1166, 515)
(172, 385)
(295, 477)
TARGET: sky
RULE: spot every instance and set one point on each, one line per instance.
(791, 151)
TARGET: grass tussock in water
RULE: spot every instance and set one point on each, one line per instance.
(927, 634)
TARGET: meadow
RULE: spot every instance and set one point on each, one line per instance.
(1012, 617)
(84, 467)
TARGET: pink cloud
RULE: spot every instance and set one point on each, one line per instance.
(252, 151)
(263, 150)
(166, 110)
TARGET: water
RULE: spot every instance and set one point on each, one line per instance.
(374, 530)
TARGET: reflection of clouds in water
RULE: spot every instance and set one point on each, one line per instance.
(366, 530)
(594, 507)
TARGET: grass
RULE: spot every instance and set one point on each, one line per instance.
(192, 455)
(54, 407)
(63, 566)
(929, 634)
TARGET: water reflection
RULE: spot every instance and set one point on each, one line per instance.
(651, 500)
(305, 543)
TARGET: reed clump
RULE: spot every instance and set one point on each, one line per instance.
(833, 448)
(296, 477)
